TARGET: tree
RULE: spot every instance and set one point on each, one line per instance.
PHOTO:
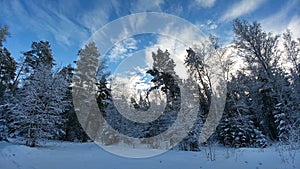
(292, 53)
(7, 75)
(6, 103)
(259, 49)
(166, 80)
(199, 61)
(289, 134)
(38, 114)
(40, 54)
(3, 34)
(40, 100)
(7, 64)
(72, 128)
(162, 61)
(238, 127)
(85, 90)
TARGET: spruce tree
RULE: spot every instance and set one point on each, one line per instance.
(7, 74)
(38, 112)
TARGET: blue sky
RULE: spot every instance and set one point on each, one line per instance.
(68, 24)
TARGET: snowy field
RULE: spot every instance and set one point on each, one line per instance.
(65, 155)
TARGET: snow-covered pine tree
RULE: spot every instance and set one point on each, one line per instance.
(7, 75)
(85, 91)
(238, 127)
(40, 100)
(72, 128)
(262, 56)
(286, 111)
(38, 114)
(167, 81)
(292, 53)
(7, 64)
(5, 104)
(196, 62)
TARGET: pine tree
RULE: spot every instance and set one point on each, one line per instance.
(259, 49)
(72, 128)
(7, 63)
(40, 53)
(85, 90)
(197, 63)
(5, 105)
(40, 100)
(7, 75)
(38, 114)
(287, 115)
(239, 127)
(167, 81)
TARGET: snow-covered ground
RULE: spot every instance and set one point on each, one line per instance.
(65, 155)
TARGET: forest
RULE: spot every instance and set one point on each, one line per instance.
(262, 105)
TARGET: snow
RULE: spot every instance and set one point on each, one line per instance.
(66, 155)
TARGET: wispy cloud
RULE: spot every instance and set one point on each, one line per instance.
(67, 23)
(43, 19)
(241, 8)
(294, 26)
(144, 6)
(208, 26)
(206, 3)
(122, 49)
(95, 18)
(279, 21)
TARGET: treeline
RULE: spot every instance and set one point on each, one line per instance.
(262, 103)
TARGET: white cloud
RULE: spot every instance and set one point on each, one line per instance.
(241, 8)
(213, 26)
(281, 20)
(122, 49)
(45, 20)
(95, 18)
(174, 34)
(66, 22)
(294, 26)
(117, 7)
(206, 3)
(144, 5)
